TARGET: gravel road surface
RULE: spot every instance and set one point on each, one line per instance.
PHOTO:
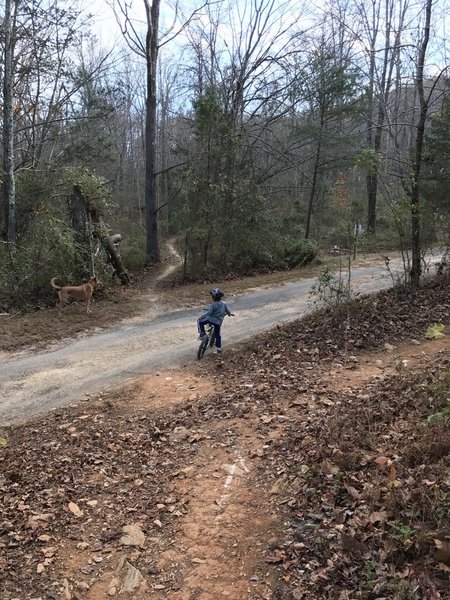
(32, 383)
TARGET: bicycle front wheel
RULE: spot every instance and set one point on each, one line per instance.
(202, 348)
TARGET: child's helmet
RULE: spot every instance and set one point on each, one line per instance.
(216, 294)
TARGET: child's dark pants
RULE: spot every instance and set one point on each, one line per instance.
(201, 330)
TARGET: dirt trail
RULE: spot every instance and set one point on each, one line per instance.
(217, 547)
(221, 538)
(219, 542)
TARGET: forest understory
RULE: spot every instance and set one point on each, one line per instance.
(312, 463)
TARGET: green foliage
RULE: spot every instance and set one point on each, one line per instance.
(403, 532)
(92, 186)
(301, 253)
(330, 290)
(435, 180)
(48, 246)
(331, 83)
(211, 116)
(89, 139)
(437, 156)
(223, 215)
(368, 159)
(47, 250)
(436, 331)
(224, 219)
(445, 412)
(33, 190)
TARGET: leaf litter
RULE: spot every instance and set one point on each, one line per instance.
(345, 492)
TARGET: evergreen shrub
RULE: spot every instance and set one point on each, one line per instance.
(301, 253)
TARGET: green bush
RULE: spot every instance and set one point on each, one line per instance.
(46, 250)
(301, 253)
(133, 245)
(330, 290)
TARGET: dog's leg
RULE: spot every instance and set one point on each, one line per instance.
(88, 304)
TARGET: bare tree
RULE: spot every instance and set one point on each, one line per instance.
(414, 189)
(9, 212)
(148, 48)
(382, 27)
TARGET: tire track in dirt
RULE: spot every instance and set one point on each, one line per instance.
(220, 540)
(231, 522)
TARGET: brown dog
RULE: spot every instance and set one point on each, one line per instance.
(79, 292)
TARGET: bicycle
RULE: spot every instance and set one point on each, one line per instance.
(207, 341)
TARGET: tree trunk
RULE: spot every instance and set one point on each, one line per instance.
(151, 203)
(113, 256)
(87, 209)
(9, 212)
(371, 178)
(416, 269)
(313, 190)
(371, 186)
(78, 217)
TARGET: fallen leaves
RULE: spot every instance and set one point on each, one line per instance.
(435, 332)
(358, 495)
(366, 508)
(75, 509)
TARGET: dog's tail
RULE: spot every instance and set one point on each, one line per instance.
(53, 284)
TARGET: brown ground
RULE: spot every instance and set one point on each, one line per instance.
(294, 470)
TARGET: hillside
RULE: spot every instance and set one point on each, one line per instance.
(310, 464)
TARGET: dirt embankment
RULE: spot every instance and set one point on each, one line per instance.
(311, 464)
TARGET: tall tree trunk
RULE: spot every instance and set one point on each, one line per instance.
(313, 189)
(151, 202)
(9, 190)
(371, 178)
(78, 218)
(416, 269)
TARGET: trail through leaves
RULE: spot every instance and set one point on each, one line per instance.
(312, 464)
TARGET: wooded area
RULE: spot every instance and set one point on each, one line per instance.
(254, 134)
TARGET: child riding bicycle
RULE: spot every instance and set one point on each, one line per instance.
(214, 316)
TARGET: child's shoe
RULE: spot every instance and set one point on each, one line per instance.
(219, 351)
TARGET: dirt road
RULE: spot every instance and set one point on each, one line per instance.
(33, 383)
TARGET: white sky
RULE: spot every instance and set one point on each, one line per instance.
(108, 31)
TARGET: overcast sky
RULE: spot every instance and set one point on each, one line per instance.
(108, 31)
